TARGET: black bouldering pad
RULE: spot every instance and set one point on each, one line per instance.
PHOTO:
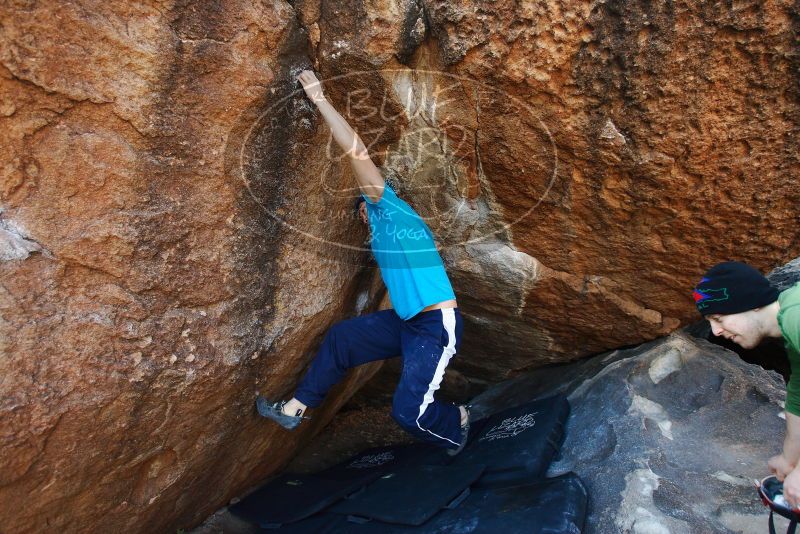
(373, 463)
(550, 506)
(518, 444)
(321, 523)
(291, 498)
(411, 495)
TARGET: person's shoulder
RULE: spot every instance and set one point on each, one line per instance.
(388, 189)
(388, 199)
(790, 297)
(789, 314)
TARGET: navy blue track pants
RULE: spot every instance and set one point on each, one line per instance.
(426, 343)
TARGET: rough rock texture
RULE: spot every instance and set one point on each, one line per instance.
(147, 295)
(175, 232)
(668, 436)
(785, 276)
(671, 127)
(580, 161)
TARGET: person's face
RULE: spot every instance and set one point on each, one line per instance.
(741, 328)
(362, 212)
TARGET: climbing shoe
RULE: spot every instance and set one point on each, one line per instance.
(274, 411)
(464, 435)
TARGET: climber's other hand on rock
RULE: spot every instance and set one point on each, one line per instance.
(312, 86)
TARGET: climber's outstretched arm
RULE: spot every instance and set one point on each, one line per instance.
(369, 177)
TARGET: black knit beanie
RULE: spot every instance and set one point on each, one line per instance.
(733, 287)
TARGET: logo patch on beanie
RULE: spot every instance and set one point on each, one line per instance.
(703, 296)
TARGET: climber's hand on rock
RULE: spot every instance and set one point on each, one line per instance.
(312, 86)
(780, 466)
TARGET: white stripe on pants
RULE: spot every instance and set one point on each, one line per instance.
(449, 320)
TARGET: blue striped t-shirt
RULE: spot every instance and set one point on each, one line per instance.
(405, 251)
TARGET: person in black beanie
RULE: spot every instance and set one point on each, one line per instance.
(742, 306)
(739, 303)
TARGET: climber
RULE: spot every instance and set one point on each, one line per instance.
(742, 306)
(424, 327)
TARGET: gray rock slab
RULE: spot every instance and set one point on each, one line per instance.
(786, 275)
(667, 436)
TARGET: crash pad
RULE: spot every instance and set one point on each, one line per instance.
(411, 495)
(550, 506)
(293, 497)
(517, 445)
